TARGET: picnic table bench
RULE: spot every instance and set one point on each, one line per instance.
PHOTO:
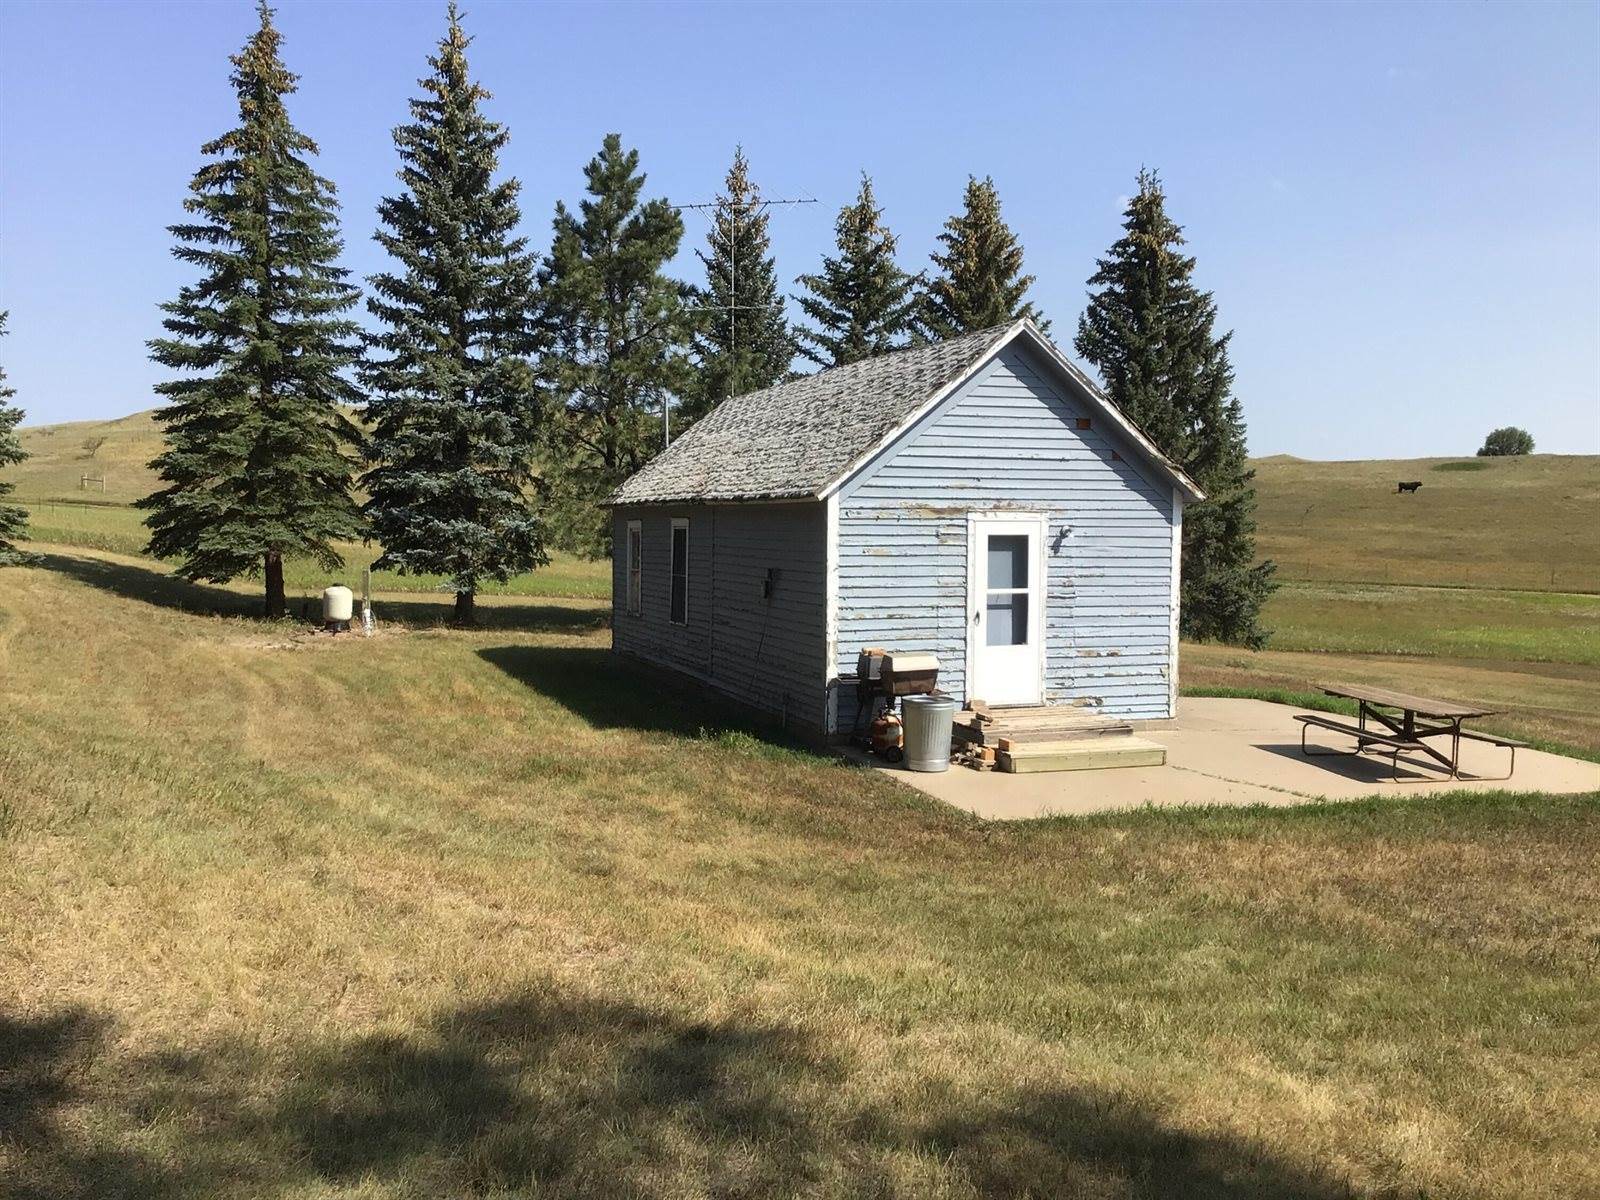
(1401, 722)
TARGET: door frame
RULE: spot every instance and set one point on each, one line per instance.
(977, 524)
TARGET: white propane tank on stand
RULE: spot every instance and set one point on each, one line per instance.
(338, 604)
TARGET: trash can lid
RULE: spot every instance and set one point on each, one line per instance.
(935, 701)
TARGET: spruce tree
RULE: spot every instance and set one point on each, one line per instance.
(979, 282)
(742, 341)
(13, 518)
(618, 334)
(862, 303)
(256, 463)
(452, 398)
(1150, 333)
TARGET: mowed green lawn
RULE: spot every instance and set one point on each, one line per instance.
(1548, 627)
(449, 913)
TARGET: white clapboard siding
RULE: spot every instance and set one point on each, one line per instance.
(1008, 440)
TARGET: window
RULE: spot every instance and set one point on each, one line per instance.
(679, 613)
(635, 553)
(1007, 601)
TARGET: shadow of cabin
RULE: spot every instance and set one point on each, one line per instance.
(609, 691)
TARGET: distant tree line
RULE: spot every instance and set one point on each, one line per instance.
(499, 393)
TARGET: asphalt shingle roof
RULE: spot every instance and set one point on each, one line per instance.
(794, 439)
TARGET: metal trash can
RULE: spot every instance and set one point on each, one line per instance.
(928, 730)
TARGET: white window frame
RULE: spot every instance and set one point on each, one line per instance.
(672, 573)
(633, 568)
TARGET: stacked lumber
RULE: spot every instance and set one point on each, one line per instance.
(1052, 739)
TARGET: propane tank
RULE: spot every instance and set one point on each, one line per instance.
(887, 736)
(337, 603)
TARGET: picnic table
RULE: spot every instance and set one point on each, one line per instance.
(1400, 722)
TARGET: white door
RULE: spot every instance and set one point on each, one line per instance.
(1005, 603)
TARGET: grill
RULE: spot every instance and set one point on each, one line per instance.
(883, 677)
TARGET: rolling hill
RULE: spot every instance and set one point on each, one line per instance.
(1527, 523)
(117, 451)
(65, 511)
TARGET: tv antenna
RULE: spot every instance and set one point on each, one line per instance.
(752, 209)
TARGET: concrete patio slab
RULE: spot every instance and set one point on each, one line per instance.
(1236, 752)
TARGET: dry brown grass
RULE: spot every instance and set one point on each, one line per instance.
(1517, 523)
(444, 913)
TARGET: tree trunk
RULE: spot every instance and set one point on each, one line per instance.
(277, 606)
(466, 608)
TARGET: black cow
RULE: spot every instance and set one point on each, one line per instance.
(1407, 487)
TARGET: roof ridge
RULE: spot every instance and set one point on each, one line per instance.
(880, 359)
(800, 438)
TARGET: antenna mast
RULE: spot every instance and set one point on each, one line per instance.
(732, 308)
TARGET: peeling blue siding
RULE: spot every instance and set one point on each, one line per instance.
(1008, 440)
(768, 651)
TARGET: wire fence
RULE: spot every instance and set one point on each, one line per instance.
(1487, 576)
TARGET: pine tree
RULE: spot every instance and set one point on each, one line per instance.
(618, 333)
(862, 303)
(742, 343)
(1149, 331)
(13, 518)
(979, 281)
(453, 403)
(256, 460)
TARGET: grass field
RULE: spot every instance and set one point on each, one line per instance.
(120, 530)
(1518, 529)
(1536, 655)
(1525, 523)
(474, 913)
(1520, 523)
(60, 455)
(1556, 705)
(62, 513)
(1544, 627)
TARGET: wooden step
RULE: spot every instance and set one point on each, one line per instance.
(1082, 755)
(1029, 725)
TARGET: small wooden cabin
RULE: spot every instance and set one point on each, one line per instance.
(978, 498)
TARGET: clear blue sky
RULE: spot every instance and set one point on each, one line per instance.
(1398, 207)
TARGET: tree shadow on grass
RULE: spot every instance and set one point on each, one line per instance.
(158, 587)
(1077, 1142)
(45, 1074)
(612, 692)
(558, 1095)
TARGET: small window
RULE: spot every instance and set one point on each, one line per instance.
(1083, 422)
(635, 552)
(680, 571)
